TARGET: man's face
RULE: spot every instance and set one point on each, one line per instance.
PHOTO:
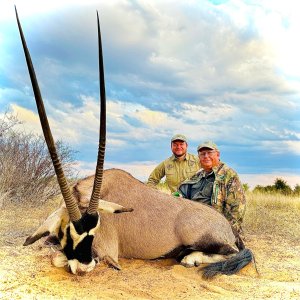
(179, 148)
(208, 158)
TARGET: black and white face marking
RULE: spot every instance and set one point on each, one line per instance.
(75, 238)
(76, 242)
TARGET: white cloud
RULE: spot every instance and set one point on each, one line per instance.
(208, 71)
(80, 125)
(29, 119)
(293, 146)
(153, 119)
(140, 170)
(277, 23)
(282, 147)
(66, 123)
(207, 114)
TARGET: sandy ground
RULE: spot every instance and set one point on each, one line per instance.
(26, 272)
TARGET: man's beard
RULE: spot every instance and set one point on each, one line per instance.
(179, 156)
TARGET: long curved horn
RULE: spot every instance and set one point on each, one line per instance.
(71, 204)
(95, 197)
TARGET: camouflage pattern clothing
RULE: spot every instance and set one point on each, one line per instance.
(227, 194)
(176, 171)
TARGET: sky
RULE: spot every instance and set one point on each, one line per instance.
(226, 71)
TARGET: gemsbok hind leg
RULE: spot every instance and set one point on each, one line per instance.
(197, 258)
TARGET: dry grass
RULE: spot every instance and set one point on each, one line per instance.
(273, 214)
(18, 221)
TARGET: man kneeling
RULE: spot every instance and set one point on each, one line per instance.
(217, 185)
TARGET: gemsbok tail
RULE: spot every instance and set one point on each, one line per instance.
(230, 266)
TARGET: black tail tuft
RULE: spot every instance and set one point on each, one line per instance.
(230, 266)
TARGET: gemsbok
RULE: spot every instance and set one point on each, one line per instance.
(157, 225)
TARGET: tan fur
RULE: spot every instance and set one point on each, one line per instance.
(159, 223)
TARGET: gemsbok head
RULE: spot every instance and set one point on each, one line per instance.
(75, 230)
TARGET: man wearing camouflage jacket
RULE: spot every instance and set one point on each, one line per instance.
(217, 185)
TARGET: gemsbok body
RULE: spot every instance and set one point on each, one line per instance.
(151, 225)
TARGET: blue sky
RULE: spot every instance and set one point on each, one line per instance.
(227, 71)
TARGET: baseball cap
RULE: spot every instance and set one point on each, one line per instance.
(208, 144)
(179, 137)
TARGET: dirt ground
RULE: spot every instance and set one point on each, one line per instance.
(27, 273)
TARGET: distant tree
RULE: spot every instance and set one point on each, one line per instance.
(296, 190)
(259, 188)
(282, 187)
(246, 187)
(264, 189)
(270, 188)
(279, 186)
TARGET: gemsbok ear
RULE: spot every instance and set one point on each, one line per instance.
(113, 208)
(51, 225)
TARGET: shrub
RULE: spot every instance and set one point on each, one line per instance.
(27, 173)
(246, 187)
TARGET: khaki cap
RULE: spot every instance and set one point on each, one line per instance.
(208, 144)
(179, 137)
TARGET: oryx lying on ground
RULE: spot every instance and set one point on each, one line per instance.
(160, 225)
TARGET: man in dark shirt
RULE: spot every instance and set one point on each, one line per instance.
(217, 185)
